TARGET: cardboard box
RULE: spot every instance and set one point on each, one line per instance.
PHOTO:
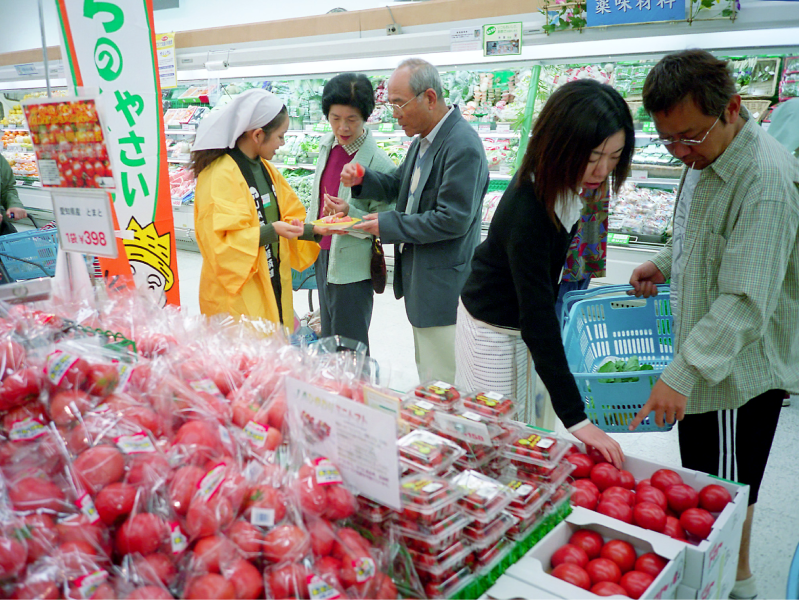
(684, 592)
(711, 565)
(534, 567)
(508, 588)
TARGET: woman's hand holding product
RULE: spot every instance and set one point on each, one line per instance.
(335, 205)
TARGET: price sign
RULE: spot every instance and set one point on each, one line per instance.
(291, 160)
(620, 239)
(386, 127)
(649, 127)
(319, 127)
(84, 221)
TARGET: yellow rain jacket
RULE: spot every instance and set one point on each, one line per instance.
(235, 274)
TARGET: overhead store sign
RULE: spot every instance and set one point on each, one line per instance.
(619, 12)
(502, 39)
(110, 47)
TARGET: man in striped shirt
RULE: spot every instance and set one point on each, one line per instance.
(733, 265)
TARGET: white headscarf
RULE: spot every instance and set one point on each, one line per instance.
(249, 110)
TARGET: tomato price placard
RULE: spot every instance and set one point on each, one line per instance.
(68, 140)
(85, 223)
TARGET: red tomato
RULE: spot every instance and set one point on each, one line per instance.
(78, 529)
(626, 479)
(149, 592)
(247, 537)
(619, 493)
(583, 465)
(148, 469)
(288, 581)
(285, 542)
(40, 535)
(682, 496)
(142, 533)
(33, 493)
(605, 475)
(663, 478)
(650, 563)
(322, 537)
(673, 529)
(589, 541)
(572, 573)
(39, 589)
(616, 510)
(642, 483)
(66, 406)
(266, 497)
(209, 550)
(183, 486)
(636, 583)
(327, 568)
(586, 484)
(203, 435)
(97, 467)
(650, 516)
(387, 590)
(210, 586)
(584, 498)
(620, 552)
(698, 522)
(714, 498)
(102, 379)
(12, 356)
(115, 502)
(603, 569)
(569, 553)
(20, 387)
(340, 503)
(595, 455)
(30, 410)
(246, 579)
(349, 542)
(13, 556)
(207, 517)
(313, 497)
(75, 377)
(276, 413)
(156, 568)
(653, 495)
(606, 588)
(77, 556)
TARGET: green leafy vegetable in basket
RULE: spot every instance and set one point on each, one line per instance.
(623, 366)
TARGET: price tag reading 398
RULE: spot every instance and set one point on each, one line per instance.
(85, 221)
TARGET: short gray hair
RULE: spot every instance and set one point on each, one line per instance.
(423, 76)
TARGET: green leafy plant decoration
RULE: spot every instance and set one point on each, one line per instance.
(730, 10)
(569, 15)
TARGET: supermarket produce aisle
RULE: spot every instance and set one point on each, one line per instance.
(775, 530)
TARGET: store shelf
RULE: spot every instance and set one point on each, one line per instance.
(180, 132)
(654, 181)
(13, 129)
(179, 161)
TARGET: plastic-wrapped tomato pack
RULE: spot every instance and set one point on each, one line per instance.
(491, 405)
(427, 452)
(418, 413)
(528, 497)
(427, 499)
(481, 535)
(487, 558)
(484, 497)
(528, 446)
(442, 395)
(433, 538)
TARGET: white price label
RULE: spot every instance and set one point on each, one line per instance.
(125, 372)
(524, 489)
(57, 365)
(206, 385)
(364, 568)
(441, 385)
(26, 430)
(493, 396)
(84, 221)
(211, 481)
(424, 404)
(320, 590)
(544, 443)
(86, 506)
(327, 473)
(464, 429)
(177, 539)
(262, 517)
(472, 416)
(256, 433)
(138, 443)
(432, 487)
(88, 584)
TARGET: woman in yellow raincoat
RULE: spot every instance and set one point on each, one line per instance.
(248, 220)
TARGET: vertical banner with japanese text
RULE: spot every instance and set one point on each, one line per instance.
(110, 47)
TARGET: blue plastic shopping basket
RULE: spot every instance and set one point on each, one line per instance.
(599, 326)
(29, 254)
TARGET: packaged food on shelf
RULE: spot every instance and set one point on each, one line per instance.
(488, 558)
(434, 537)
(418, 413)
(482, 535)
(484, 497)
(530, 447)
(428, 499)
(439, 393)
(490, 404)
(451, 556)
(446, 589)
(528, 497)
(427, 452)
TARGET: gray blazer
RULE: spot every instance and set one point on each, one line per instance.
(441, 234)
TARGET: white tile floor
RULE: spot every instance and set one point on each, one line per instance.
(775, 531)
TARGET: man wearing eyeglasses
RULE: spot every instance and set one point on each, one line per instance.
(435, 227)
(733, 264)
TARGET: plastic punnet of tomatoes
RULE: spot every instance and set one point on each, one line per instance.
(418, 413)
(428, 499)
(446, 589)
(427, 452)
(529, 447)
(487, 558)
(451, 556)
(485, 497)
(443, 395)
(528, 497)
(524, 527)
(431, 538)
(491, 405)
(481, 535)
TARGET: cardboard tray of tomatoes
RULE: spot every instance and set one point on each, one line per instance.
(427, 452)
(535, 567)
(482, 535)
(491, 405)
(443, 395)
(484, 497)
(428, 499)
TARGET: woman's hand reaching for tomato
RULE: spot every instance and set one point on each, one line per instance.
(591, 435)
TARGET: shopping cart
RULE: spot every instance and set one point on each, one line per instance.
(28, 254)
(609, 323)
(305, 280)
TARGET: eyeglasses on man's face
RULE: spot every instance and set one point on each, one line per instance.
(398, 108)
(670, 142)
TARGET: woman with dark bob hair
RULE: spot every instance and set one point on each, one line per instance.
(248, 220)
(342, 268)
(507, 311)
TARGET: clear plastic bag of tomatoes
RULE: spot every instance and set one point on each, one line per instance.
(41, 579)
(338, 365)
(426, 452)
(21, 379)
(13, 545)
(320, 491)
(141, 577)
